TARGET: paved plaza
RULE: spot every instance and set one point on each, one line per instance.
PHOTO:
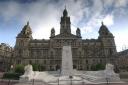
(15, 82)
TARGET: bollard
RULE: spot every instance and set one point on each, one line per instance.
(33, 82)
(9, 82)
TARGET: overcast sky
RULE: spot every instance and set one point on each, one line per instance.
(45, 14)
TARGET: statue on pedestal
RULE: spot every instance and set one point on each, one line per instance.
(28, 74)
(110, 74)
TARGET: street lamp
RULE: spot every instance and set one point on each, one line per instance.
(71, 79)
(107, 78)
(82, 81)
(33, 81)
(58, 81)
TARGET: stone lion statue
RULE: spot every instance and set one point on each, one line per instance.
(28, 69)
(29, 73)
(109, 70)
(109, 67)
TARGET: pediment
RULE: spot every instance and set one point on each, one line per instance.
(65, 35)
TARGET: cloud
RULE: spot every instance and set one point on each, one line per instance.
(121, 3)
(41, 15)
(121, 41)
(108, 20)
(45, 14)
(9, 10)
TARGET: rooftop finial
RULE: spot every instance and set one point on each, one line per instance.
(27, 22)
(65, 6)
(65, 13)
(102, 23)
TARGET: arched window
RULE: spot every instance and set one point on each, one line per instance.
(87, 67)
(79, 53)
(51, 54)
(86, 61)
(19, 62)
(110, 51)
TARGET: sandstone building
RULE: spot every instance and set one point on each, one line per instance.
(47, 53)
(122, 60)
(6, 53)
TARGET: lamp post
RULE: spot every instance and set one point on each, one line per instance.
(58, 81)
(107, 79)
(33, 81)
(82, 81)
(9, 82)
(71, 79)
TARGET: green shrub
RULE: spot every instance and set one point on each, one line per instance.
(35, 67)
(98, 67)
(19, 69)
(11, 76)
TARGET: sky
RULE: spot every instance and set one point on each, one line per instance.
(45, 14)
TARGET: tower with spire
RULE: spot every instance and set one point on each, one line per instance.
(26, 32)
(22, 42)
(107, 40)
(104, 32)
(65, 23)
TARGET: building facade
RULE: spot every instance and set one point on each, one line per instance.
(48, 53)
(122, 61)
(6, 53)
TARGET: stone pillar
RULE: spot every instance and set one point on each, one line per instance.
(67, 63)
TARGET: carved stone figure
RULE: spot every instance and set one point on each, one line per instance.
(78, 33)
(52, 32)
(28, 70)
(109, 71)
(28, 74)
(109, 67)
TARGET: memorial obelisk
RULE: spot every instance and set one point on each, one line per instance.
(67, 63)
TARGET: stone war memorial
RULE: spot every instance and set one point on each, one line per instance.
(68, 75)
